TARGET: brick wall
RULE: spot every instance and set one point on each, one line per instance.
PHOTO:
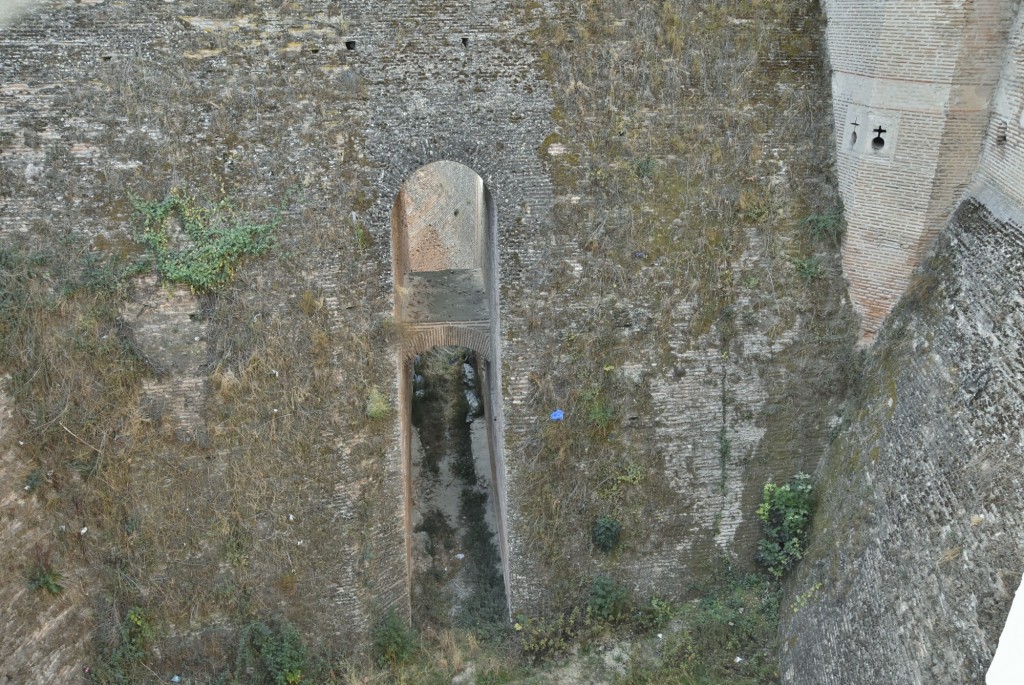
(102, 100)
(1002, 158)
(916, 549)
(925, 73)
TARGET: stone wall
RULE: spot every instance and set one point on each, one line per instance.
(339, 103)
(917, 547)
(722, 363)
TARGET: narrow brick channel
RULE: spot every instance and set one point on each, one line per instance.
(457, 577)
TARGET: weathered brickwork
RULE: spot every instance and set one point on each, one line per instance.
(917, 550)
(100, 101)
(1002, 159)
(924, 72)
(346, 101)
(917, 547)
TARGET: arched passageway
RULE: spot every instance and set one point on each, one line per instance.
(446, 298)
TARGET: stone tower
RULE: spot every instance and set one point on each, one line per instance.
(912, 88)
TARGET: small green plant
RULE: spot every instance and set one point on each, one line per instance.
(393, 641)
(724, 452)
(601, 415)
(377, 406)
(645, 168)
(277, 655)
(609, 600)
(362, 236)
(44, 577)
(605, 533)
(215, 239)
(755, 206)
(634, 475)
(809, 268)
(542, 637)
(785, 513)
(599, 410)
(656, 614)
(804, 597)
(827, 226)
(34, 480)
(121, 665)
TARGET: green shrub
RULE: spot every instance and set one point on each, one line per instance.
(277, 656)
(217, 240)
(785, 512)
(809, 268)
(827, 226)
(605, 533)
(393, 641)
(645, 168)
(655, 614)
(121, 665)
(45, 578)
(598, 408)
(377, 406)
(609, 600)
(541, 637)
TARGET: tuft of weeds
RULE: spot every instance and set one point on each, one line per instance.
(43, 575)
(598, 408)
(609, 600)
(361, 236)
(123, 663)
(605, 533)
(377, 406)
(645, 168)
(809, 268)
(542, 637)
(267, 654)
(727, 636)
(828, 226)
(393, 641)
(215, 239)
(34, 480)
(309, 303)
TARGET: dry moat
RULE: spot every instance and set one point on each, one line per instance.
(457, 569)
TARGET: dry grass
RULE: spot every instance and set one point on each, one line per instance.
(696, 140)
(267, 510)
(671, 113)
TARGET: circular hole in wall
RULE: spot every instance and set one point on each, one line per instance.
(853, 139)
(877, 143)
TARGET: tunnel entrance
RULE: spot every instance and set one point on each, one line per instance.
(446, 305)
(457, 574)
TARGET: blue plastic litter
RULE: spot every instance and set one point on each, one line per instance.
(557, 415)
